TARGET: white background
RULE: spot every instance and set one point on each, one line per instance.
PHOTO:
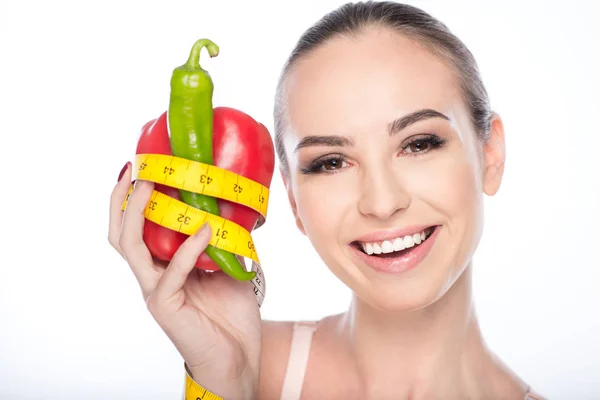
(78, 80)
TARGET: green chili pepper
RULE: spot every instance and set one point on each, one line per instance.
(190, 118)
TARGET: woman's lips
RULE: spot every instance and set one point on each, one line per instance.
(404, 261)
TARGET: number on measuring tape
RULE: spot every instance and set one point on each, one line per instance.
(205, 179)
(184, 219)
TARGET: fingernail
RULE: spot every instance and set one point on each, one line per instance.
(125, 167)
(202, 229)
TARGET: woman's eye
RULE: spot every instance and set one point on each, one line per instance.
(418, 146)
(424, 144)
(333, 164)
(325, 165)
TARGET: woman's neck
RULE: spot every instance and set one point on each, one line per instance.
(435, 352)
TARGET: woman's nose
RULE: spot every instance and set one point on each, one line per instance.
(382, 194)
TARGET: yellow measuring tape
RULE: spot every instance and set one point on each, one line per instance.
(193, 391)
(212, 181)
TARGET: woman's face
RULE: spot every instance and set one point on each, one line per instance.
(386, 171)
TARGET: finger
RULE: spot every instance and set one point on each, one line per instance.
(117, 198)
(182, 263)
(131, 240)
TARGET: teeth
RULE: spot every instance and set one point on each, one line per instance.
(397, 244)
(387, 246)
(417, 238)
(376, 248)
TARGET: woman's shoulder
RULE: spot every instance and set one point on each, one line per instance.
(276, 338)
(276, 344)
(276, 347)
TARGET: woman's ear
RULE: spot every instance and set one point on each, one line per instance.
(494, 157)
(291, 199)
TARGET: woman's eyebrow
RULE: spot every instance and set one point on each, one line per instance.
(412, 118)
(393, 128)
(330, 141)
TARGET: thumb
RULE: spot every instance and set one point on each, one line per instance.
(182, 263)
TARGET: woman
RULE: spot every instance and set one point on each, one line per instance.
(387, 145)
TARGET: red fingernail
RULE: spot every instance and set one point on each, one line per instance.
(125, 167)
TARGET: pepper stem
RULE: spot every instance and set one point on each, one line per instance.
(193, 61)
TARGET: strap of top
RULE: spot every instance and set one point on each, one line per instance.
(298, 359)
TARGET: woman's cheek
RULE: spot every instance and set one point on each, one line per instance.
(447, 183)
(321, 203)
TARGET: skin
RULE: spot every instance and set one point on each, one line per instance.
(407, 336)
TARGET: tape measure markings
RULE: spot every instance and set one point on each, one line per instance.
(202, 178)
(174, 214)
(210, 180)
(195, 391)
(258, 282)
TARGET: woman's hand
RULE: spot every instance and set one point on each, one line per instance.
(212, 319)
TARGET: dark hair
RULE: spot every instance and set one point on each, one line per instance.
(352, 18)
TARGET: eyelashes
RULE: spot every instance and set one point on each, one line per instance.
(326, 164)
(416, 146)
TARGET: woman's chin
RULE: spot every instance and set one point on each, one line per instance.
(400, 296)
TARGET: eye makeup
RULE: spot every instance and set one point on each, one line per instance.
(413, 146)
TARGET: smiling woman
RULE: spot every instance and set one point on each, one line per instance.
(387, 145)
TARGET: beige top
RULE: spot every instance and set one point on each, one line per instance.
(298, 361)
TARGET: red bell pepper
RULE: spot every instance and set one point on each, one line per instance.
(240, 145)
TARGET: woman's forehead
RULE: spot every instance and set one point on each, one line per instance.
(367, 79)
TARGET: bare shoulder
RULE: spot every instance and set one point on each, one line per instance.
(276, 344)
